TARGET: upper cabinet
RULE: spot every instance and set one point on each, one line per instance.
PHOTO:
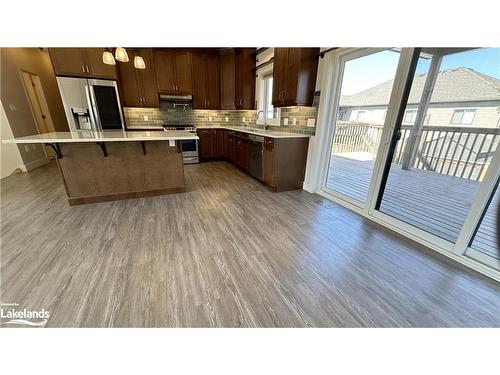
(173, 71)
(81, 62)
(294, 76)
(237, 70)
(138, 86)
(206, 89)
(227, 79)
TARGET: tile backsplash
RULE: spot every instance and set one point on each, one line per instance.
(168, 115)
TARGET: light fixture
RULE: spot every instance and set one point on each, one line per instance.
(139, 62)
(107, 58)
(121, 54)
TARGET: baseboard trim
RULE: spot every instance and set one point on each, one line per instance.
(35, 164)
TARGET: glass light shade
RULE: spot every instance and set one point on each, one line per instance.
(121, 54)
(139, 63)
(107, 58)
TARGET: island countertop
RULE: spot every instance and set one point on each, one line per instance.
(105, 136)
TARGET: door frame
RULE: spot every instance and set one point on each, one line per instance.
(320, 158)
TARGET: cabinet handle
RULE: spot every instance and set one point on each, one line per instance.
(173, 87)
(83, 68)
(88, 70)
(241, 102)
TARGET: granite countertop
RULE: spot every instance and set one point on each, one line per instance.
(261, 132)
(105, 136)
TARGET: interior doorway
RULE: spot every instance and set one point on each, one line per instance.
(38, 104)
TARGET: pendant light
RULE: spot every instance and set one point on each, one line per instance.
(107, 58)
(121, 54)
(139, 62)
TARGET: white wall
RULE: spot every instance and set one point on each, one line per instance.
(9, 153)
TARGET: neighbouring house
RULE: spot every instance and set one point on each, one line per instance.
(461, 97)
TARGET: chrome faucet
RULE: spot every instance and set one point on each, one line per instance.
(265, 121)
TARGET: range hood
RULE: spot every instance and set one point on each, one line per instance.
(176, 98)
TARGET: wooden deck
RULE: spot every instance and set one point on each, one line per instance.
(431, 201)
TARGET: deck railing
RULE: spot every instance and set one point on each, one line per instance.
(453, 150)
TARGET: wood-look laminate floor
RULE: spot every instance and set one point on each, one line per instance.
(228, 253)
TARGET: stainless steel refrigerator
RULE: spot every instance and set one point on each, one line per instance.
(91, 104)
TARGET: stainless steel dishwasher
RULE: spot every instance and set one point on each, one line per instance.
(255, 157)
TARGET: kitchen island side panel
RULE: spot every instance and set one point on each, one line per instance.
(126, 172)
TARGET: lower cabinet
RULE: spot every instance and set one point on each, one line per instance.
(241, 150)
(211, 144)
(283, 159)
(284, 162)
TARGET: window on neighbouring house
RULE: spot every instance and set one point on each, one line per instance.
(271, 115)
(410, 116)
(463, 116)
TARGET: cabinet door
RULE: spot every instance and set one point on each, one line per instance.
(218, 143)
(231, 146)
(68, 62)
(130, 89)
(97, 69)
(148, 79)
(267, 162)
(183, 79)
(245, 78)
(165, 73)
(228, 79)
(292, 76)
(212, 80)
(199, 81)
(206, 144)
(280, 63)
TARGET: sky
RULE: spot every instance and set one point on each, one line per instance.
(365, 72)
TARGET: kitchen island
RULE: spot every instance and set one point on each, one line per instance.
(113, 165)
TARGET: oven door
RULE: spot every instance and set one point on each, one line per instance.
(190, 151)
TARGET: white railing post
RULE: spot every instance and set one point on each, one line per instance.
(410, 152)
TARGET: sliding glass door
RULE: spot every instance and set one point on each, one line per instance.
(366, 81)
(415, 145)
(446, 140)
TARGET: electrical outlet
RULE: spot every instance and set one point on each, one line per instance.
(242, 119)
(294, 121)
(311, 122)
(285, 121)
(146, 118)
(209, 119)
(226, 118)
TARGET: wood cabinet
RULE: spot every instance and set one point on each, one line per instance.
(138, 86)
(228, 79)
(81, 62)
(206, 144)
(284, 162)
(294, 76)
(173, 71)
(241, 150)
(245, 78)
(229, 145)
(237, 78)
(211, 144)
(206, 89)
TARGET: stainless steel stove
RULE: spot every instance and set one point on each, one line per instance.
(189, 147)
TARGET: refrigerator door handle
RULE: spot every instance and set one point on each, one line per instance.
(94, 111)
